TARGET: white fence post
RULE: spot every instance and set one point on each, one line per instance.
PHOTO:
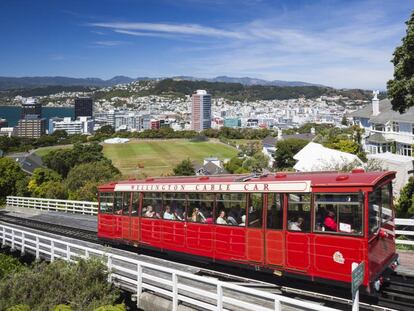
(37, 248)
(3, 243)
(109, 265)
(139, 283)
(219, 297)
(174, 292)
(278, 306)
(23, 244)
(52, 251)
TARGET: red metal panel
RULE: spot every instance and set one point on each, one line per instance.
(126, 227)
(230, 243)
(297, 251)
(333, 255)
(135, 224)
(200, 239)
(275, 248)
(106, 224)
(255, 245)
(173, 235)
(151, 230)
(117, 233)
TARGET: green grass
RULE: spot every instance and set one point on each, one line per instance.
(158, 157)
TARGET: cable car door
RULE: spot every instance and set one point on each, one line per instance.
(274, 234)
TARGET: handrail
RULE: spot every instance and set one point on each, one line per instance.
(407, 222)
(133, 274)
(67, 206)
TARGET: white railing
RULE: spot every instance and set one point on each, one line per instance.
(407, 233)
(137, 276)
(67, 206)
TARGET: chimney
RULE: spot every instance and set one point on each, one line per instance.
(375, 104)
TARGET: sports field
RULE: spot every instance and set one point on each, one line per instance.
(139, 158)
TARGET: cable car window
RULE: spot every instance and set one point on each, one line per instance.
(174, 206)
(152, 205)
(374, 199)
(125, 203)
(200, 207)
(135, 204)
(274, 211)
(231, 209)
(118, 203)
(106, 202)
(339, 213)
(299, 212)
(386, 203)
(255, 210)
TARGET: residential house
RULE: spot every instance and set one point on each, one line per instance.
(386, 130)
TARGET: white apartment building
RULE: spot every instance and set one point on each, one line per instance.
(386, 130)
(83, 125)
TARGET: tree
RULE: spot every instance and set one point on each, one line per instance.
(10, 174)
(83, 179)
(344, 145)
(256, 163)
(82, 286)
(106, 130)
(401, 88)
(405, 205)
(184, 168)
(40, 176)
(234, 164)
(344, 121)
(285, 150)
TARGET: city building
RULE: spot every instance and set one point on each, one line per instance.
(31, 127)
(31, 108)
(31, 123)
(3, 123)
(154, 124)
(83, 107)
(8, 131)
(385, 130)
(201, 111)
(83, 125)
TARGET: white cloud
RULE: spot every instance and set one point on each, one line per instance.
(182, 29)
(109, 43)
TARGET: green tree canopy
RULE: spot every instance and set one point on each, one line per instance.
(401, 88)
(285, 150)
(184, 168)
(82, 286)
(83, 179)
(405, 205)
(10, 174)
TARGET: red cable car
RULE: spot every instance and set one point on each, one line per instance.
(312, 225)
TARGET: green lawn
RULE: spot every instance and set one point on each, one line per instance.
(158, 157)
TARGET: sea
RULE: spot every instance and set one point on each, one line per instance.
(12, 113)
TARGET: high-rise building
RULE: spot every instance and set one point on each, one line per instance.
(83, 125)
(31, 127)
(83, 107)
(30, 108)
(31, 123)
(201, 111)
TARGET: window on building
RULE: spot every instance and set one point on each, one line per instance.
(406, 150)
(340, 213)
(118, 203)
(274, 211)
(255, 210)
(231, 209)
(395, 126)
(298, 213)
(106, 202)
(152, 205)
(378, 127)
(174, 206)
(135, 204)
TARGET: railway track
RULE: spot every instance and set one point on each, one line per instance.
(398, 291)
(67, 231)
(395, 294)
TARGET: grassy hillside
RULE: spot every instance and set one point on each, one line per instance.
(158, 157)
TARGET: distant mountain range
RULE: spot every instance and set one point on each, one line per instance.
(7, 83)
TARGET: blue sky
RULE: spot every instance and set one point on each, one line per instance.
(337, 43)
